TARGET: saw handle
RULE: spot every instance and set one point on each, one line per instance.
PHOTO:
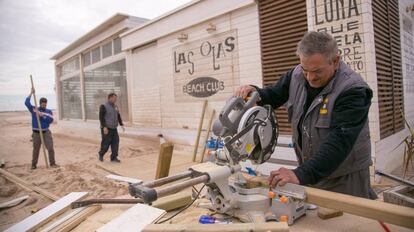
(229, 118)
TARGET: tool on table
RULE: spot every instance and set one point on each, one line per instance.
(207, 219)
(248, 132)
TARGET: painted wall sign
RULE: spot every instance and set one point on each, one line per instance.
(343, 20)
(206, 68)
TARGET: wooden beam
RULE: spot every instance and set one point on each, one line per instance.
(39, 125)
(27, 186)
(200, 127)
(378, 210)
(207, 135)
(374, 209)
(40, 218)
(239, 227)
(164, 160)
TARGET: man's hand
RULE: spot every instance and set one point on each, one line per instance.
(123, 128)
(105, 130)
(32, 91)
(41, 114)
(282, 176)
(244, 91)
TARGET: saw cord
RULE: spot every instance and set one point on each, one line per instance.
(384, 226)
(184, 208)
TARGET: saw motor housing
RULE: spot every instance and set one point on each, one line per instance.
(248, 131)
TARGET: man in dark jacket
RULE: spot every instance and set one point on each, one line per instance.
(328, 105)
(109, 118)
(46, 118)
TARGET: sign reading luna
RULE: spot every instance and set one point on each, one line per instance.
(206, 68)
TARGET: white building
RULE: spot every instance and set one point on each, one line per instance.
(206, 49)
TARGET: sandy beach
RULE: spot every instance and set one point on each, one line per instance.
(76, 156)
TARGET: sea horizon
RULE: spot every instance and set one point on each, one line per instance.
(15, 103)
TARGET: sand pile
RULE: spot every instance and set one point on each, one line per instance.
(75, 153)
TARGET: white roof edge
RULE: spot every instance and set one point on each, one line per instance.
(116, 18)
(156, 19)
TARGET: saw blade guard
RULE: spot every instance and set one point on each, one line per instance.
(260, 141)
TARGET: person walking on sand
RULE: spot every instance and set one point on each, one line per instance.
(110, 118)
(46, 118)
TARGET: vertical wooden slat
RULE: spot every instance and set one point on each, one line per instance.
(388, 61)
(282, 24)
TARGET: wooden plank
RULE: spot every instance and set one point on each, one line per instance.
(200, 126)
(378, 210)
(325, 213)
(164, 160)
(124, 179)
(75, 219)
(13, 202)
(27, 186)
(38, 219)
(61, 220)
(207, 135)
(174, 201)
(134, 219)
(239, 227)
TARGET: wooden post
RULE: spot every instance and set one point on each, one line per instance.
(207, 135)
(200, 126)
(164, 160)
(40, 126)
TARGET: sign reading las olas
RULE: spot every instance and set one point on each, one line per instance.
(206, 68)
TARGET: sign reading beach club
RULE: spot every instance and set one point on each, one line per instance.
(206, 68)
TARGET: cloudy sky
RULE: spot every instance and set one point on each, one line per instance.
(33, 31)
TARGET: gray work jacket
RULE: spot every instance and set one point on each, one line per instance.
(316, 122)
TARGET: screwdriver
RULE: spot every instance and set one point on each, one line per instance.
(206, 219)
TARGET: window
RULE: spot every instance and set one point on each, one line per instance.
(102, 81)
(87, 59)
(117, 46)
(96, 55)
(69, 66)
(71, 98)
(389, 69)
(107, 50)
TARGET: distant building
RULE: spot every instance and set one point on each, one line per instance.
(164, 68)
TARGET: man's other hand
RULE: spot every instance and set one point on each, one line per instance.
(282, 176)
(105, 130)
(244, 91)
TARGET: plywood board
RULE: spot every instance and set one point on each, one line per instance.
(134, 219)
(38, 219)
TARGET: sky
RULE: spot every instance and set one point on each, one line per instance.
(31, 32)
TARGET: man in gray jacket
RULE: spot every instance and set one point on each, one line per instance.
(109, 118)
(328, 105)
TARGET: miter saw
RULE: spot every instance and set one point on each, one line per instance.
(248, 132)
